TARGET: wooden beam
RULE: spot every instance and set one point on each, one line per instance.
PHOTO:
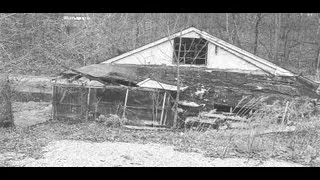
(106, 87)
(163, 104)
(165, 117)
(221, 116)
(125, 104)
(62, 97)
(285, 113)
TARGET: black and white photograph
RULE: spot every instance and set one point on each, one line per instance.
(159, 89)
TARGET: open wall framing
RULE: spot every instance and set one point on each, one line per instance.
(141, 106)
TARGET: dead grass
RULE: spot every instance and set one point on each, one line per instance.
(301, 146)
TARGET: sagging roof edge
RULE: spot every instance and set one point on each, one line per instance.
(308, 82)
(161, 86)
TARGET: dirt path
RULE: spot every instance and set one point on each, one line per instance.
(68, 153)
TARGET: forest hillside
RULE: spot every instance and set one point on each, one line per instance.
(41, 43)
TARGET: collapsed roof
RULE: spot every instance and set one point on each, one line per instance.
(100, 75)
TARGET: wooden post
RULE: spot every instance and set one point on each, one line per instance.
(88, 104)
(96, 109)
(175, 118)
(156, 98)
(153, 104)
(165, 117)
(125, 104)
(6, 115)
(53, 102)
(285, 113)
(163, 104)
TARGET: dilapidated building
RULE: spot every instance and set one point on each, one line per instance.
(142, 84)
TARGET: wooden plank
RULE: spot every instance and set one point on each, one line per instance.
(163, 104)
(142, 107)
(105, 87)
(145, 127)
(125, 104)
(277, 129)
(221, 116)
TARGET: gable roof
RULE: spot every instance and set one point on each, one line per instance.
(250, 58)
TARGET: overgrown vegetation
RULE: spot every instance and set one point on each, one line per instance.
(39, 44)
(301, 145)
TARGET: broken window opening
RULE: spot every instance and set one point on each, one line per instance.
(192, 51)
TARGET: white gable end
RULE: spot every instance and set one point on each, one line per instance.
(221, 59)
(226, 57)
(156, 55)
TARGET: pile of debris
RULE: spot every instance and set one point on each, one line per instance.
(216, 120)
(223, 121)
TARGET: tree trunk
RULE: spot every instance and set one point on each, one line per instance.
(227, 28)
(235, 35)
(285, 46)
(317, 59)
(300, 37)
(175, 118)
(276, 35)
(6, 116)
(256, 33)
(136, 42)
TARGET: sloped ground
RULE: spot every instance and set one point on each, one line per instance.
(66, 153)
(93, 144)
(31, 113)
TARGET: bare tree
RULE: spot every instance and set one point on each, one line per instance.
(30, 42)
(256, 32)
(276, 35)
(317, 59)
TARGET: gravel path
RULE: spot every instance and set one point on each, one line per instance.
(68, 153)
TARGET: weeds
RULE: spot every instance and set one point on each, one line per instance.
(301, 145)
